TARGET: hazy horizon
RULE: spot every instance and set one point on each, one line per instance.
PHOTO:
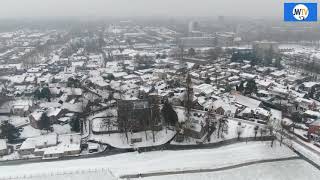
(121, 8)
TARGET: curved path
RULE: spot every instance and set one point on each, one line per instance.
(164, 173)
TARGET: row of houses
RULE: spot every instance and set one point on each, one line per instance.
(52, 146)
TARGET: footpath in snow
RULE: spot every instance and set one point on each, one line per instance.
(283, 170)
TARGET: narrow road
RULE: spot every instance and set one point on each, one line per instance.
(297, 140)
(306, 146)
(164, 173)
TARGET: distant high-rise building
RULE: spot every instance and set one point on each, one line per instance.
(194, 30)
(193, 26)
(196, 42)
(225, 39)
(221, 19)
(266, 45)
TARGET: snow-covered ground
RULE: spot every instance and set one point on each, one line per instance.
(157, 161)
(247, 130)
(90, 174)
(285, 170)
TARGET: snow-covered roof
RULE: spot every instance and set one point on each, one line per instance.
(233, 63)
(264, 83)
(54, 90)
(312, 113)
(262, 111)
(22, 102)
(50, 104)
(53, 150)
(78, 63)
(53, 111)
(69, 138)
(245, 111)
(297, 94)
(276, 114)
(119, 74)
(233, 71)
(246, 66)
(233, 78)
(17, 78)
(34, 70)
(72, 107)
(194, 74)
(143, 71)
(130, 76)
(310, 84)
(40, 141)
(279, 90)
(67, 142)
(315, 123)
(229, 108)
(246, 101)
(30, 78)
(247, 75)
(278, 73)
(37, 114)
(304, 100)
(73, 91)
(64, 119)
(5, 66)
(203, 88)
(261, 91)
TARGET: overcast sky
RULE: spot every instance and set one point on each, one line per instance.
(52, 8)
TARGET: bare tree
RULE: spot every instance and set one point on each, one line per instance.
(210, 124)
(223, 124)
(239, 130)
(263, 131)
(256, 128)
(188, 98)
(271, 132)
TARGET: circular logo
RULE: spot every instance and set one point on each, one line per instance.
(300, 12)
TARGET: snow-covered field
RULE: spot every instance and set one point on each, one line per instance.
(157, 161)
(284, 170)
